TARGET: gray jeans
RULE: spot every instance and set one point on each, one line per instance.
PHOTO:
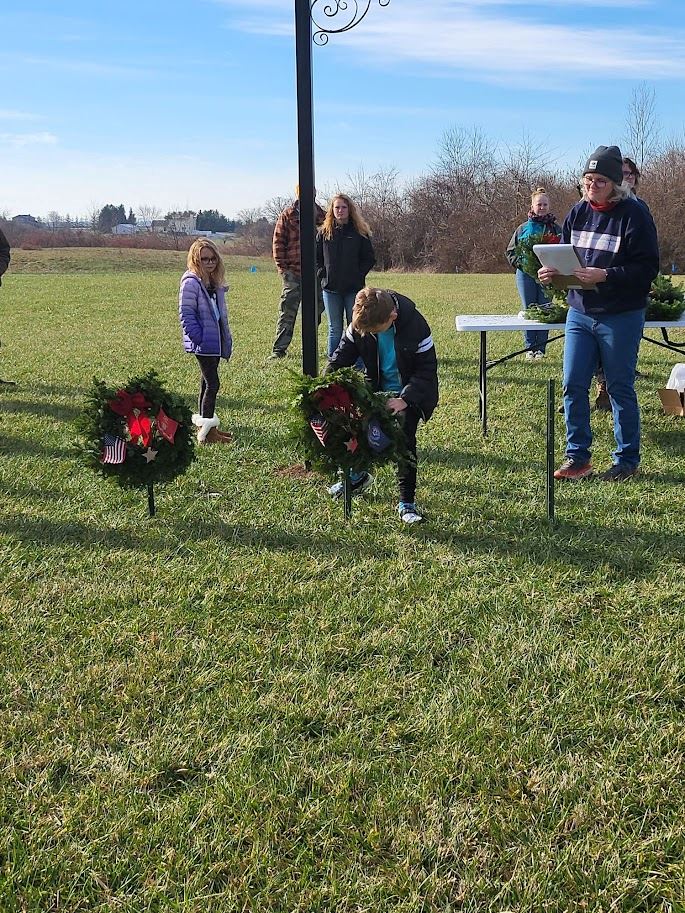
(289, 305)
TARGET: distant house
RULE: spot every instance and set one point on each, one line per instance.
(29, 221)
(124, 229)
(181, 223)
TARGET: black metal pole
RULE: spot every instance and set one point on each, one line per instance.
(305, 146)
(347, 494)
(550, 450)
(151, 499)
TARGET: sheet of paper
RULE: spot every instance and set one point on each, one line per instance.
(564, 258)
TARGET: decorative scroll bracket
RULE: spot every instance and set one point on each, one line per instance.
(342, 16)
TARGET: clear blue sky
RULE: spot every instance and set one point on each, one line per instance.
(192, 104)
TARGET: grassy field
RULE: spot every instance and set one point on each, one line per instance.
(245, 704)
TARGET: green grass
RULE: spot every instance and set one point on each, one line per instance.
(247, 705)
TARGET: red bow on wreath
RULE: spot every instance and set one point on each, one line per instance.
(333, 397)
(132, 408)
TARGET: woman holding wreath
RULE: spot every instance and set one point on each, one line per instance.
(540, 222)
(344, 255)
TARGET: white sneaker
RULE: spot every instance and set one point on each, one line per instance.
(409, 514)
(539, 356)
(358, 488)
(530, 356)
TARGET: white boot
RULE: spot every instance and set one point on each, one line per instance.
(204, 426)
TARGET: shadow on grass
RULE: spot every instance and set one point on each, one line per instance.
(90, 536)
(16, 446)
(65, 413)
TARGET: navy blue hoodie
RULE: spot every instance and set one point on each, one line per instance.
(623, 242)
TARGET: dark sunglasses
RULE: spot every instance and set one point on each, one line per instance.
(207, 259)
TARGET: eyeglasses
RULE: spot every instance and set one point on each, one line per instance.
(629, 174)
(598, 182)
(207, 259)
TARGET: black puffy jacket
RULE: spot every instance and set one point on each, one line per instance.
(4, 254)
(343, 262)
(415, 351)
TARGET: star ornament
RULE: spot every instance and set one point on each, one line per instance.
(352, 444)
(150, 454)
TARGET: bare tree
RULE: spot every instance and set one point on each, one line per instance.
(54, 220)
(274, 207)
(92, 215)
(642, 128)
(147, 213)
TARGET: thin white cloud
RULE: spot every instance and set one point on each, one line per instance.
(9, 114)
(71, 65)
(488, 39)
(481, 45)
(27, 139)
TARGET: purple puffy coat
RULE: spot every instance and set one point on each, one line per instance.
(203, 334)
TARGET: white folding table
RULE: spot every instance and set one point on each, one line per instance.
(486, 323)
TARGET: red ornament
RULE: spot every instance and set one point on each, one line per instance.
(352, 444)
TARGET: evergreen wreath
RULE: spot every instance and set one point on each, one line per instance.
(340, 423)
(666, 301)
(554, 312)
(527, 261)
(138, 434)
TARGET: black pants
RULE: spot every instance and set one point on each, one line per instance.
(209, 384)
(406, 474)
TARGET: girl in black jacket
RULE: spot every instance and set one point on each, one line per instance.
(344, 255)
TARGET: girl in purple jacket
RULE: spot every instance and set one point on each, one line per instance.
(206, 333)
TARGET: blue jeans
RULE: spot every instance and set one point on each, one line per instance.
(337, 305)
(613, 340)
(532, 293)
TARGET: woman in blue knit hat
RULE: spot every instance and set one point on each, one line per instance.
(616, 242)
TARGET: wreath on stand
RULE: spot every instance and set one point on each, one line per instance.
(342, 425)
(137, 434)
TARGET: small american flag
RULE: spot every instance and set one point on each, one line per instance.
(319, 426)
(114, 449)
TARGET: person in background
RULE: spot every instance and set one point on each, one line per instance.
(631, 178)
(4, 254)
(616, 241)
(286, 253)
(4, 264)
(540, 221)
(206, 333)
(344, 256)
(395, 344)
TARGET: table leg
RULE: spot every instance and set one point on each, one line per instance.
(483, 382)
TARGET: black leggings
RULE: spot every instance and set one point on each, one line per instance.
(209, 384)
(407, 474)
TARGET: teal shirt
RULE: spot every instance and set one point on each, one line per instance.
(389, 376)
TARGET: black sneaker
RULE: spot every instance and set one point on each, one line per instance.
(276, 355)
(618, 473)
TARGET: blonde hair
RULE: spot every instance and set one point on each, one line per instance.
(359, 223)
(538, 192)
(372, 308)
(215, 276)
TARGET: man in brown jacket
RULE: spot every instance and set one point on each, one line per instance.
(286, 252)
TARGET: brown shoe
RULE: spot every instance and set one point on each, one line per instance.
(214, 436)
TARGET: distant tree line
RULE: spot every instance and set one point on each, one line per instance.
(458, 216)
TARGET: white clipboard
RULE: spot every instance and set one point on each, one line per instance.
(563, 258)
